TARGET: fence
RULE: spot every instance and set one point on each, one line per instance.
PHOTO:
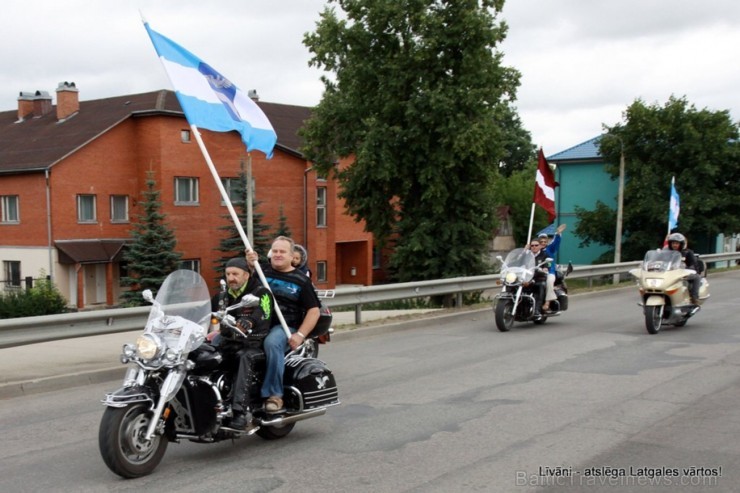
(17, 285)
(29, 330)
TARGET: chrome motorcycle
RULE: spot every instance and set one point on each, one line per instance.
(518, 297)
(179, 387)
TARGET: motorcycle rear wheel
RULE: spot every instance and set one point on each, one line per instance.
(122, 444)
(653, 318)
(504, 315)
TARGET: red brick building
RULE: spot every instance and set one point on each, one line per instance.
(71, 177)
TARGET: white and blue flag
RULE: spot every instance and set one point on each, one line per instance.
(674, 207)
(209, 99)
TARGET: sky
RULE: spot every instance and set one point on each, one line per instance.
(582, 62)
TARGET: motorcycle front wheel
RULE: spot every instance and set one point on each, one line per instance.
(653, 318)
(122, 444)
(504, 315)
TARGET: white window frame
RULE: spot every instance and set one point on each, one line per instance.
(94, 216)
(11, 212)
(185, 136)
(9, 268)
(321, 194)
(191, 184)
(114, 208)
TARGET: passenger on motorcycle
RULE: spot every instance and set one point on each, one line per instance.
(677, 241)
(549, 249)
(255, 321)
(297, 300)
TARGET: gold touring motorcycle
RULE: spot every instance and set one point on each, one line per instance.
(664, 291)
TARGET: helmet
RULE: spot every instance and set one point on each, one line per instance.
(303, 254)
(681, 239)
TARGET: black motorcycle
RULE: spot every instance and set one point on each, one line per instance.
(179, 387)
(518, 299)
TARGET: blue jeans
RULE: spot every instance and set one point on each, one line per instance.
(276, 344)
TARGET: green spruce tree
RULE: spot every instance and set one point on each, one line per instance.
(282, 229)
(151, 255)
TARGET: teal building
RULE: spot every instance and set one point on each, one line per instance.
(583, 179)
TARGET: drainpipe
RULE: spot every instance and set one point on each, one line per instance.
(305, 207)
(48, 223)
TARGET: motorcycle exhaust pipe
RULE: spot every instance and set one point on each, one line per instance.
(292, 419)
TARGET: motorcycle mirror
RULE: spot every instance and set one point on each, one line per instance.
(500, 258)
(249, 300)
(223, 286)
(147, 295)
(570, 268)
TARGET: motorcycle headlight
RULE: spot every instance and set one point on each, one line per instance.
(653, 282)
(148, 346)
(510, 277)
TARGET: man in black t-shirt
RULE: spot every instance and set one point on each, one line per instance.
(295, 295)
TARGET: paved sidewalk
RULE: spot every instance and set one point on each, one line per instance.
(67, 363)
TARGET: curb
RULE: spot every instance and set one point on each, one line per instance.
(60, 382)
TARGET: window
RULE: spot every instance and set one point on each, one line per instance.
(9, 206)
(12, 272)
(321, 271)
(186, 191)
(321, 207)
(185, 136)
(119, 208)
(193, 265)
(86, 209)
(376, 257)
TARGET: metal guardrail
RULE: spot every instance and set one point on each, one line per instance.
(30, 330)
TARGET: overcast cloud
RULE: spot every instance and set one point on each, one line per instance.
(582, 61)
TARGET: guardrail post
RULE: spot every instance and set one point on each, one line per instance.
(459, 299)
(358, 314)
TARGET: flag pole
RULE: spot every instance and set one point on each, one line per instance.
(235, 218)
(670, 197)
(531, 224)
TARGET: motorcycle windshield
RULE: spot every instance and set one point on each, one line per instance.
(521, 262)
(181, 311)
(661, 260)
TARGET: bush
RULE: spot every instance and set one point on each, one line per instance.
(42, 299)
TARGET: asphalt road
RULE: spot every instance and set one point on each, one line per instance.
(587, 402)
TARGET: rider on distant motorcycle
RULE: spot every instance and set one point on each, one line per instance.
(677, 241)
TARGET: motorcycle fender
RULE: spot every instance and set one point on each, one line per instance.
(125, 396)
(654, 301)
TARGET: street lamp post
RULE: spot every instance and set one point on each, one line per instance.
(620, 202)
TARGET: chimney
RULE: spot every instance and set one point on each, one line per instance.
(41, 103)
(25, 105)
(252, 94)
(68, 100)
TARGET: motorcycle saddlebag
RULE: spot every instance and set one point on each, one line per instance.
(563, 301)
(308, 383)
(321, 329)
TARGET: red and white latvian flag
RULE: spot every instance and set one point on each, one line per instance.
(544, 186)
